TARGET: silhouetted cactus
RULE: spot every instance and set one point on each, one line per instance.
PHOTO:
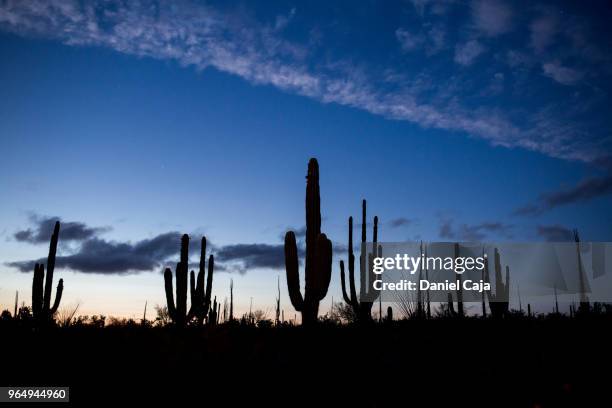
(213, 313)
(231, 310)
(389, 317)
(178, 312)
(318, 261)
(200, 296)
(363, 309)
(41, 298)
(460, 311)
(585, 305)
(450, 306)
(484, 304)
(277, 319)
(498, 302)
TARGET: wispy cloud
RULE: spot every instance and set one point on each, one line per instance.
(407, 40)
(466, 54)
(93, 254)
(554, 233)
(431, 40)
(492, 17)
(585, 190)
(252, 256)
(43, 228)
(435, 7)
(561, 74)
(97, 255)
(400, 222)
(542, 31)
(477, 232)
(201, 36)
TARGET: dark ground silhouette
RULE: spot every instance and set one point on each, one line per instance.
(527, 362)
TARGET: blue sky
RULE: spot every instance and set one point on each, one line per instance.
(457, 120)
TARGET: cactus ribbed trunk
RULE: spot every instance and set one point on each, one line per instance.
(318, 255)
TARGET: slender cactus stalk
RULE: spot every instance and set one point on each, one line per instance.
(460, 311)
(16, 303)
(231, 310)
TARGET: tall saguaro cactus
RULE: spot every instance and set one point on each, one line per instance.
(318, 261)
(200, 296)
(363, 309)
(41, 298)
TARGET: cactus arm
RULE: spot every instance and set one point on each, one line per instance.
(293, 272)
(362, 258)
(507, 289)
(37, 289)
(347, 300)
(351, 267)
(169, 293)
(209, 279)
(499, 284)
(192, 287)
(51, 267)
(352, 288)
(193, 309)
(203, 255)
(375, 249)
(487, 279)
(58, 296)
(202, 271)
(363, 221)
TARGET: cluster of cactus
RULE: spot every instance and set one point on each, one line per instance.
(41, 294)
(498, 302)
(213, 312)
(363, 308)
(200, 295)
(318, 263)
